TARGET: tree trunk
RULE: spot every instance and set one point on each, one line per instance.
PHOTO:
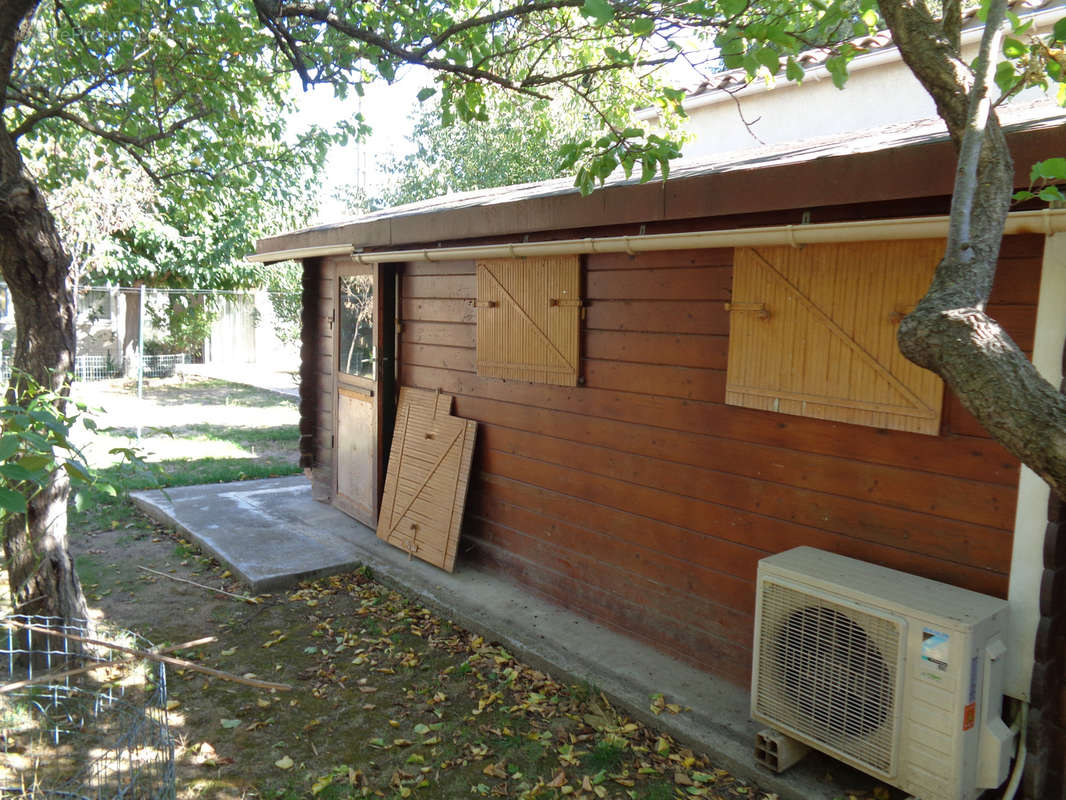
(949, 331)
(40, 569)
(131, 333)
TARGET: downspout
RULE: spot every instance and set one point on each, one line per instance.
(1030, 520)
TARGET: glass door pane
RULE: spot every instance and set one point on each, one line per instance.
(356, 311)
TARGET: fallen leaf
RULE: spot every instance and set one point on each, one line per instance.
(658, 703)
(495, 770)
(228, 651)
(284, 763)
(230, 723)
(558, 781)
(172, 704)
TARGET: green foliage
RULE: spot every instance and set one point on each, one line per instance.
(189, 96)
(35, 445)
(283, 282)
(187, 321)
(517, 143)
(1043, 180)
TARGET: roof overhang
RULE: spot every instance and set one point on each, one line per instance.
(907, 163)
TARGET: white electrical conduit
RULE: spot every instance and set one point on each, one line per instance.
(1022, 722)
(1046, 221)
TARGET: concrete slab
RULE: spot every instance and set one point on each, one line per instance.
(272, 534)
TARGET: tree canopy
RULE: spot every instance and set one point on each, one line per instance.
(172, 119)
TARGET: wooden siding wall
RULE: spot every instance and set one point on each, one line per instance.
(323, 485)
(643, 501)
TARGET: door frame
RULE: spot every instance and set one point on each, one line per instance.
(381, 388)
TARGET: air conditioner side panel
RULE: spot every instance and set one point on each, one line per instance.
(942, 713)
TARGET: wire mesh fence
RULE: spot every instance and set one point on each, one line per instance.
(102, 368)
(121, 329)
(81, 720)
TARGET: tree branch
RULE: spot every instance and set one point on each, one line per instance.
(949, 331)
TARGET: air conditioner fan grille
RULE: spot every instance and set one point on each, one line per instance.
(829, 672)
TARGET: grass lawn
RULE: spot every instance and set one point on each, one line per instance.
(387, 699)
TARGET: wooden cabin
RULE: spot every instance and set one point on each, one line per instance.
(673, 380)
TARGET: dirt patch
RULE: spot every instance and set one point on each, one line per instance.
(387, 700)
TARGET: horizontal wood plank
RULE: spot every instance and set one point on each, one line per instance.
(681, 350)
(970, 457)
(967, 538)
(440, 286)
(732, 664)
(691, 572)
(706, 257)
(655, 380)
(659, 316)
(693, 283)
(926, 492)
(693, 609)
(738, 525)
(451, 334)
(438, 310)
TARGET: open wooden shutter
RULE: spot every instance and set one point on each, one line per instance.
(812, 332)
(528, 320)
(429, 471)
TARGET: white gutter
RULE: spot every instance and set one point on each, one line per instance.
(1045, 221)
(297, 253)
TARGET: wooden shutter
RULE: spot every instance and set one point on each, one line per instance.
(812, 331)
(429, 471)
(528, 319)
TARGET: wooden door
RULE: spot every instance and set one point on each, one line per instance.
(358, 401)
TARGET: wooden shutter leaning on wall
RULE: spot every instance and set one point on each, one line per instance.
(812, 332)
(529, 319)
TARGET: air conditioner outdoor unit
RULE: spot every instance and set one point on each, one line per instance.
(899, 676)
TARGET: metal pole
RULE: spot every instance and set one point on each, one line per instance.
(140, 357)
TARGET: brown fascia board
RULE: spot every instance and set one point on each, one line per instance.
(926, 169)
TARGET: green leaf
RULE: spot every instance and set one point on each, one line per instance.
(1012, 48)
(426, 93)
(599, 10)
(34, 462)
(1051, 194)
(77, 472)
(9, 445)
(1058, 32)
(770, 59)
(642, 27)
(12, 502)
(1005, 76)
(1022, 195)
(838, 69)
(1050, 169)
(13, 472)
(793, 71)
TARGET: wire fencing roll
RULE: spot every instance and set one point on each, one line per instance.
(81, 720)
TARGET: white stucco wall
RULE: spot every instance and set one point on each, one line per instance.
(880, 91)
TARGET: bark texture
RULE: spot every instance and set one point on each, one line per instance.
(36, 269)
(949, 331)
